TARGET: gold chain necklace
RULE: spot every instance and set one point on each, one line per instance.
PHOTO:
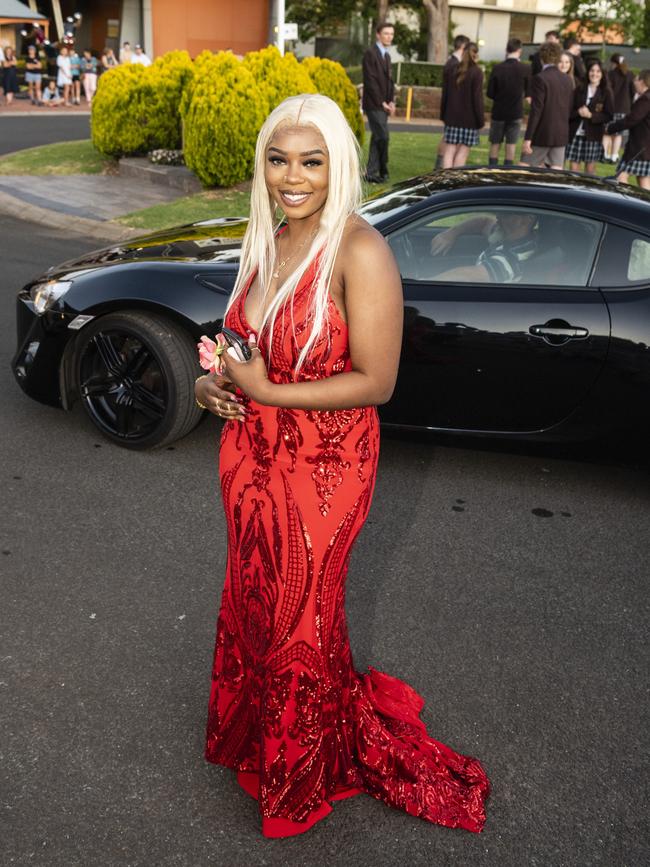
(285, 262)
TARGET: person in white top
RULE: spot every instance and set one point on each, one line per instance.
(126, 55)
(64, 75)
(140, 57)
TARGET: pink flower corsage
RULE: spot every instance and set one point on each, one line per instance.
(209, 353)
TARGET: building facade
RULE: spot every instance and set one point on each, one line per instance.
(491, 23)
(164, 25)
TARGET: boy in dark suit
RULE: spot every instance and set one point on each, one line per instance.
(378, 101)
(535, 62)
(547, 133)
(508, 84)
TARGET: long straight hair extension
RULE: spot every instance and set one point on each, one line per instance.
(343, 198)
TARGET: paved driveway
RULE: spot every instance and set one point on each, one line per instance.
(526, 635)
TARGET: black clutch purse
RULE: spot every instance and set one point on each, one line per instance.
(237, 342)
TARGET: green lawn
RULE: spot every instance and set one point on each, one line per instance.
(200, 206)
(411, 153)
(62, 158)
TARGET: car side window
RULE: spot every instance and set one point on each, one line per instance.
(638, 265)
(500, 244)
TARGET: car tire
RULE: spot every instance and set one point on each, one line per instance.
(135, 377)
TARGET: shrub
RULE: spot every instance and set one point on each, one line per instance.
(355, 74)
(277, 77)
(136, 109)
(331, 80)
(222, 113)
(167, 78)
(118, 123)
(420, 74)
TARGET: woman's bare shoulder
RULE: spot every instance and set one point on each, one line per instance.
(361, 239)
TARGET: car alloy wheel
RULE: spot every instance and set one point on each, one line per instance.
(135, 379)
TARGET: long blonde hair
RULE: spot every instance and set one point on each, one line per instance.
(343, 198)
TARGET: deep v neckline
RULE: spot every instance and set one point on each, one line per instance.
(243, 314)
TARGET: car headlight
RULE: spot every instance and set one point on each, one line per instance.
(44, 295)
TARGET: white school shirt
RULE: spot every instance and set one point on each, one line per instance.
(590, 92)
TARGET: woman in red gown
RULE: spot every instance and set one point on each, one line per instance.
(321, 303)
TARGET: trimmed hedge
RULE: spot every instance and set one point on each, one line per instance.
(222, 113)
(212, 107)
(277, 77)
(420, 74)
(136, 108)
(330, 79)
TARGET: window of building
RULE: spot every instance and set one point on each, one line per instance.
(522, 26)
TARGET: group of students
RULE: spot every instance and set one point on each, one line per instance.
(70, 71)
(577, 112)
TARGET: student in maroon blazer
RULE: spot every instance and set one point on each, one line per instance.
(535, 62)
(464, 112)
(507, 86)
(621, 81)
(460, 44)
(636, 157)
(547, 133)
(593, 107)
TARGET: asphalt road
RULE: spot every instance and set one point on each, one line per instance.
(526, 635)
(31, 130)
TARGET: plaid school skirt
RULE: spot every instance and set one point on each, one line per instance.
(624, 133)
(639, 168)
(461, 135)
(582, 151)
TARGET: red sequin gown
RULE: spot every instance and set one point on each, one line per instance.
(287, 710)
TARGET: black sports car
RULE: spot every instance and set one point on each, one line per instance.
(527, 312)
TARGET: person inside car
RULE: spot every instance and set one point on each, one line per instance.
(511, 240)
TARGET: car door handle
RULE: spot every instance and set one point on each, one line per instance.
(569, 332)
(210, 282)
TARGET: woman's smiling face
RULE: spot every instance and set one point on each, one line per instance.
(595, 74)
(297, 170)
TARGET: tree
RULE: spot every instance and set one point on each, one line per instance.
(326, 16)
(320, 16)
(645, 36)
(438, 19)
(623, 17)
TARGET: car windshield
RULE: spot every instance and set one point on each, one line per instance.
(391, 202)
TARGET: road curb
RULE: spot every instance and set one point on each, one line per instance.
(103, 231)
(173, 177)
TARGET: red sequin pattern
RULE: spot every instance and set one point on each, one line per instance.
(287, 710)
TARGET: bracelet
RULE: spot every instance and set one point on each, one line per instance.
(198, 402)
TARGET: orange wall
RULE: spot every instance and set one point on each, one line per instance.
(241, 25)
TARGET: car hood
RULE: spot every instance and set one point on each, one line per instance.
(215, 241)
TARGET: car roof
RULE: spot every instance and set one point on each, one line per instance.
(598, 197)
